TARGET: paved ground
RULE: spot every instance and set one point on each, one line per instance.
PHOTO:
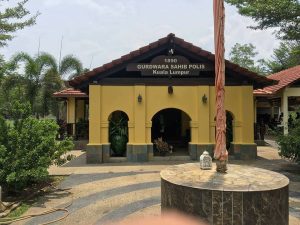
(123, 191)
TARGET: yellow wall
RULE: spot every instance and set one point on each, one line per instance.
(185, 120)
(95, 114)
(71, 110)
(106, 99)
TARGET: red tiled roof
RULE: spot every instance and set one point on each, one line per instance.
(285, 78)
(180, 42)
(261, 92)
(70, 92)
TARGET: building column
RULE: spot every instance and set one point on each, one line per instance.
(255, 110)
(148, 131)
(130, 131)
(94, 147)
(203, 114)
(140, 114)
(243, 146)
(247, 118)
(105, 145)
(104, 132)
(285, 110)
(200, 131)
(137, 148)
(71, 113)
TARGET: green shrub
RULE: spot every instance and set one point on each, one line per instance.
(118, 135)
(289, 145)
(27, 149)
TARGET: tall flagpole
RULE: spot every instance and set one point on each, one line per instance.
(220, 153)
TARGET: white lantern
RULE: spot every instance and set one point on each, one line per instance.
(205, 161)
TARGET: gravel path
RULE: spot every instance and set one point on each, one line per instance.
(122, 191)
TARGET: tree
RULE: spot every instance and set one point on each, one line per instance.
(33, 73)
(71, 66)
(244, 56)
(42, 76)
(280, 14)
(287, 55)
(13, 19)
(2, 67)
(12, 88)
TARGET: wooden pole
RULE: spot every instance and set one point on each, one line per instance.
(220, 153)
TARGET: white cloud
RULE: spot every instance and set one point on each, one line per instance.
(237, 31)
(52, 3)
(108, 29)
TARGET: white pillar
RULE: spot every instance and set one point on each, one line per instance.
(285, 111)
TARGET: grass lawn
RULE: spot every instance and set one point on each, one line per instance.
(24, 206)
(19, 211)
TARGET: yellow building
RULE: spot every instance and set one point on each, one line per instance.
(165, 89)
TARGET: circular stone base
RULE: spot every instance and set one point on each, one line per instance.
(243, 196)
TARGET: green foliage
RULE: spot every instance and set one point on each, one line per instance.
(28, 148)
(69, 64)
(11, 89)
(287, 55)
(40, 78)
(51, 83)
(289, 145)
(280, 14)
(3, 66)
(13, 19)
(118, 127)
(20, 111)
(4, 132)
(244, 55)
(19, 211)
(118, 133)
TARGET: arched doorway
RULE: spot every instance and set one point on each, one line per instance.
(173, 127)
(118, 133)
(229, 130)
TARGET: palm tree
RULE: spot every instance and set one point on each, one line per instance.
(71, 66)
(43, 76)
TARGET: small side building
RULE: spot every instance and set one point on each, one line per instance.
(275, 103)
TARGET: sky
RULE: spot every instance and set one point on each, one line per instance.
(98, 31)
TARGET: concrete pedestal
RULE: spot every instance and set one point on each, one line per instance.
(244, 195)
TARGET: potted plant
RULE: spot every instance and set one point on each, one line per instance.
(118, 135)
(162, 146)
